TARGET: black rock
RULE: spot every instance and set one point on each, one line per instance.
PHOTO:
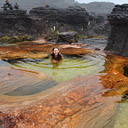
(118, 38)
(42, 19)
(69, 37)
(72, 15)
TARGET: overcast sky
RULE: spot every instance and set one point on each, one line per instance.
(113, 1)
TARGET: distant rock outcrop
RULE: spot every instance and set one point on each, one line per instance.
(14, 22)
(72, 15)
(118, 39)
(29, 4)
(82, 18)
(42, 19)
(71, 18)
(95, 8)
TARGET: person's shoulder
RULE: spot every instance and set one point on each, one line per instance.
(52, 54)
(60, 54)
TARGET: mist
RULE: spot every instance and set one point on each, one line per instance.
(112, 1)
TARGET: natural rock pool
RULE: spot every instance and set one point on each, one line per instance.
(71, 67)
(82, 91)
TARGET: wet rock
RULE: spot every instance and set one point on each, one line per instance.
(118, 39)
(80, 102)
(115, 79)
(68, 37)
(67, 49)
(12, 55)
(6, 121)
(97, 49)
(75, 51)
(23, 82)
(36, 50)
(73, 104)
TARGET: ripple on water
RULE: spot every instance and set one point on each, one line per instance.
(20, 84)
(70, 67)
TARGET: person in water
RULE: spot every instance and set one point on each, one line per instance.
(56, 57)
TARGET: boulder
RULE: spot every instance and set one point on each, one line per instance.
(68, 37)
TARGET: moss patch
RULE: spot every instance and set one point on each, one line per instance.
(14, 39)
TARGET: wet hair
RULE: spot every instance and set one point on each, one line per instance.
(54, 48)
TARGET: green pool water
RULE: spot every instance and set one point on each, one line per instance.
(70, 67)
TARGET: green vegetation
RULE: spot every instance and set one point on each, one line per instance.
(81, 36)
(97, 37)
(14, 39)
(52, 35)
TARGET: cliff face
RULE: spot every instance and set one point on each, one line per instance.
(14, 22)
(42, 19)
(118, 39)
(71, 18)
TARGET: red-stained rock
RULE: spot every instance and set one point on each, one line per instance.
(115, 79)
(65, 108)
(39, 50)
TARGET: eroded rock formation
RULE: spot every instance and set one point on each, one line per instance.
(115, 78)
(118, 39)
(71, 18)
(15, 22)
(42, 19)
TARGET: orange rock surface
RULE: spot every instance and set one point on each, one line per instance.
(77, 103)
(37, 50)
(115, 79)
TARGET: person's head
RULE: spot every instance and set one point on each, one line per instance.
(55, 50)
